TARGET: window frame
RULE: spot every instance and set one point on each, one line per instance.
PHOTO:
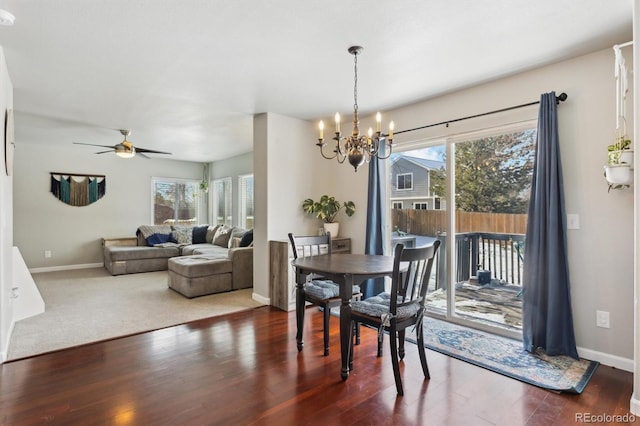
(196, 191)
(242, 200)
(421, 203)
(228, 210)
(398, 181)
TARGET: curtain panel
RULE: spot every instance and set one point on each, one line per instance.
(547, 315)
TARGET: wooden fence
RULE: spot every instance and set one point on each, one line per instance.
(432, 222)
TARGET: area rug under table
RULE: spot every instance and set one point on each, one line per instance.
(506, 356)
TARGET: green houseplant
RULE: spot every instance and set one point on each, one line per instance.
(617, 150)
(326, 209)
(618, 171)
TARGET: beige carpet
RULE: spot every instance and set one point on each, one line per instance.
(88, 305)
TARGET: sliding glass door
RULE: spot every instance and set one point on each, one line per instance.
(488, 176)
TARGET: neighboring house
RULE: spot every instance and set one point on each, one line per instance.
(411, 183)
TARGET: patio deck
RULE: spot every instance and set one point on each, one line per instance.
(494, 304)
(498, 303)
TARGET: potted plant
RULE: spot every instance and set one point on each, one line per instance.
(619, 169)
(326, 209)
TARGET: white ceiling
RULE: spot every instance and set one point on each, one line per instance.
(187, 75)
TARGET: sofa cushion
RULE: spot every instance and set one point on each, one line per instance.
(211, 251)
(222, 235)
(199, 266)
(247, 238)
(182, 234)
(236, 233)
(189, 249)
(199, 234)
(119, 253)
(211, 231)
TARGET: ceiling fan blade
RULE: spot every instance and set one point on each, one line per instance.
(92, 144)
(104, 152)
(142, 155)
(151, 151)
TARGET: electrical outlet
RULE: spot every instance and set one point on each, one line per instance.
(47, 254)
(602, 319)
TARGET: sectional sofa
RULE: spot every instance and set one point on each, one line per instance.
(200, 259)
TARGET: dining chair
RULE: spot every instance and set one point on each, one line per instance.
(318, 290)
(403, 306)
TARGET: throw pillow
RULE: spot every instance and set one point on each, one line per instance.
(247, 238)
(182, 234)
(234, 242)
(235, 233)
(221, 237)
(211, 231)
(199, 234)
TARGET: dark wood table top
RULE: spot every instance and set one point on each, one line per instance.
(347, 263)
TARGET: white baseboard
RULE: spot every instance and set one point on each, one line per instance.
(634, 405)
(66, 267)
(261, 299)
(615, 361)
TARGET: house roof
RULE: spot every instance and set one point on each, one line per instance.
(422, 162)
(187, 76)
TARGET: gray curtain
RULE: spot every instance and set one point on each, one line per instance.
(374, 243)
(547, 318)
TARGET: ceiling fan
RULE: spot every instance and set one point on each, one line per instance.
(125, 149)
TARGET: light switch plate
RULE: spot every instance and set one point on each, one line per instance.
(573, 221)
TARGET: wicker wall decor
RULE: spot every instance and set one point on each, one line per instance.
(78, 189)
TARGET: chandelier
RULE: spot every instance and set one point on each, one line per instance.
(357, 148)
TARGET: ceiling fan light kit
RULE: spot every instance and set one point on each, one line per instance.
(125, 149)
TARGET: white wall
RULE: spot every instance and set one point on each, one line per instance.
(6, 220)
(73, 234)
(286, 170)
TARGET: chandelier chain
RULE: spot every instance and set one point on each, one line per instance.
(355, 82)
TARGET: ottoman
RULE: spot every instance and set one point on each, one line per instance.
(199, 275)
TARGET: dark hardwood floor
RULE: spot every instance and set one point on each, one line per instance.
(244, 368)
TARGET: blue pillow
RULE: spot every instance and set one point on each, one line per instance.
(199, 234)
(247, 239)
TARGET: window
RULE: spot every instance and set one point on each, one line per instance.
(404, 181)
(396, 205)
(438, 205)
(245, 185)
(421, 206)
(222, 212)
(174, 201)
